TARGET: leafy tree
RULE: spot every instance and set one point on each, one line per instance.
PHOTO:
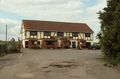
(110, 31)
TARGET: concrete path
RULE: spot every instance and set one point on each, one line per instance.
(56, 64)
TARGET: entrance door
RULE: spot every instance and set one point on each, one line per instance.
(73, 44)
(32, 44)
(26, 44)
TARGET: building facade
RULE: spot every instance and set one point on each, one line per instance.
(48, 34)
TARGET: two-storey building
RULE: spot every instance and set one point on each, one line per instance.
(48, 34)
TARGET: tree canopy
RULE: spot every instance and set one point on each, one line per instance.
(110, 31)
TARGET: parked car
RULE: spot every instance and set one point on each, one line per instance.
(95, 46)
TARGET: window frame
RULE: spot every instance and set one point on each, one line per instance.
(87, 34)
(33, 33)
(60, 34)
(47, 33)
(75, 34)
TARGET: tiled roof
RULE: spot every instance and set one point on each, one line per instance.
(56, 26)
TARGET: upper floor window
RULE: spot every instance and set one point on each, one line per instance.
(75, 34)
(87, 34)
(33, 33)
(60, 34)
(47, 33)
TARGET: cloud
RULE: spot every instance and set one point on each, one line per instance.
(41, 8)
(13, 28)
(53, 10)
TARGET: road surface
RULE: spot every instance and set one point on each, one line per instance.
(56, 64)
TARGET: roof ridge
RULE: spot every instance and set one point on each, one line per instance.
(56, 26)
(54, 21)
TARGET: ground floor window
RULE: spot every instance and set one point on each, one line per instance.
(38, 42)
(49, 42)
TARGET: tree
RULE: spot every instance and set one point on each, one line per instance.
(110, 31)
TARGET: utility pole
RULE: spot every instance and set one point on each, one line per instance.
(6, 33)
(6, 40)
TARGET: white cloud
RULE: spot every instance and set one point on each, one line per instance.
(13, 28)
(41, 8)
(55, 10)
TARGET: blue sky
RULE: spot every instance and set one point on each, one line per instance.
(12, 12)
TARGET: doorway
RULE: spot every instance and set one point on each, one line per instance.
(73, 44)
(26, 44)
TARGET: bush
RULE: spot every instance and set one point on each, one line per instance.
(2, 49)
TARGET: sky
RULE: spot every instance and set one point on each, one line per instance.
(12, 12)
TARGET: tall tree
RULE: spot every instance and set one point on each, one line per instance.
(110, 31)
